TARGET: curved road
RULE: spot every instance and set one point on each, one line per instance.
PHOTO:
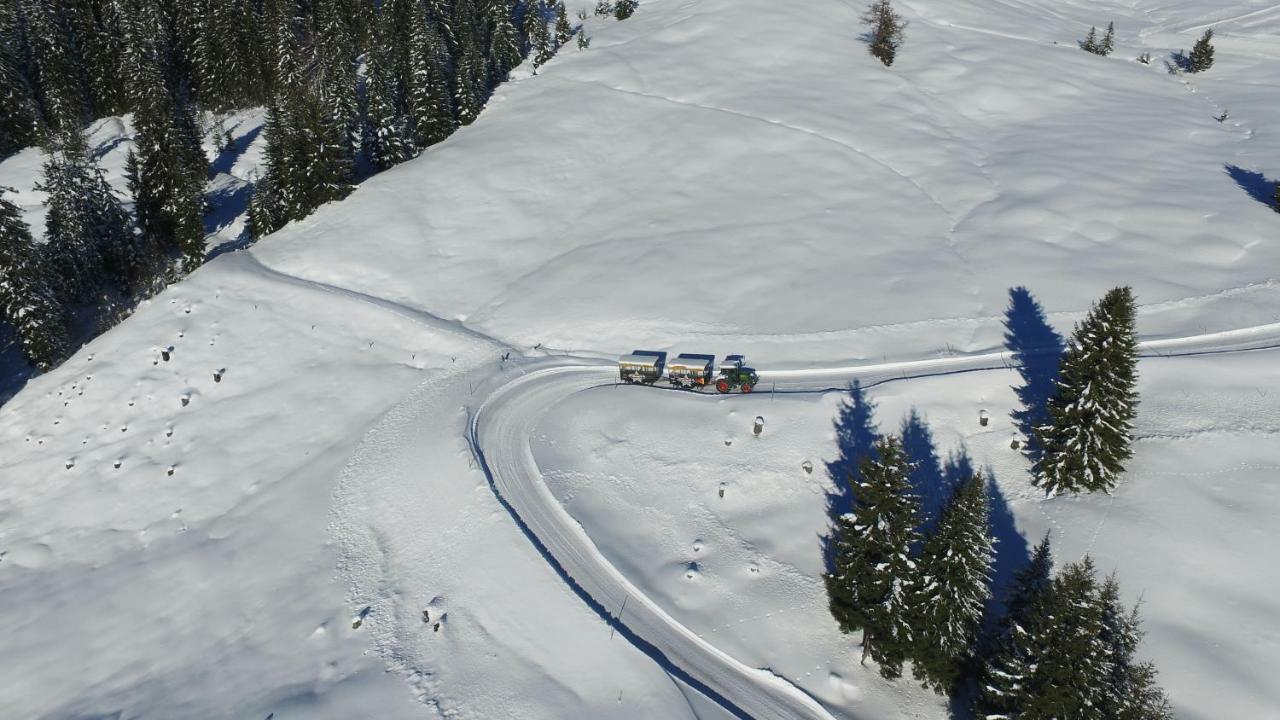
(500, 432)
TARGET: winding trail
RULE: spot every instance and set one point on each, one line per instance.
(500, 432)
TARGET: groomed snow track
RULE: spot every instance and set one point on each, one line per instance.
(499, 435)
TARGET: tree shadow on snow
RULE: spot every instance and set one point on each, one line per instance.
(14, 370)
(1258, 186)
(1012, 550)
(1036, 348)
(855, 439)
(928, 480)
(233, 152)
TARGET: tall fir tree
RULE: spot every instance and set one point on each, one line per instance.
(59, 77)
(167, 169)
(470, 69)
(624, 9)
(564, 31)
(388, 138)
(1201, 57)
(1070, 675)
(504, 40)
(1108, 40)
(1088, 437)
(336, 86)
(869, 586)
(1020, 641)
(29, 301)
(430, 97)
(20, 122)
(100, 32)
(89, 237)
(952, 587)
(888, 29)
(535, 32)
(1130, 692)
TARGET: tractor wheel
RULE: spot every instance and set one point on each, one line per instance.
(722, 386)
(747, 387)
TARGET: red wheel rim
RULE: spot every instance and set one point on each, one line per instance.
(746, 387)
(723, 386)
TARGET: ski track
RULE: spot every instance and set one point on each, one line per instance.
(500, 431)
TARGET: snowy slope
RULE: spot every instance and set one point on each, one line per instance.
(712, 175)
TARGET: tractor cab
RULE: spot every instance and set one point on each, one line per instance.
(735, 373)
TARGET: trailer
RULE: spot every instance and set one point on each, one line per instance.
(642, 366)
(691, 371)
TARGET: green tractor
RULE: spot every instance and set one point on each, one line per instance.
(735, 373)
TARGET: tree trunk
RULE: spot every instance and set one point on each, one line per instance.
(866, 645)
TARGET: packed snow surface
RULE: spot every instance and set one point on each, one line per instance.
(289, 516)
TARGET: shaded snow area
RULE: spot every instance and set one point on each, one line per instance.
(291, 514)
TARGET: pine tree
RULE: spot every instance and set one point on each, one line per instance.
(100, 31)
(1130, 692)
(564, 31)
(1021, 640)
(1090, 42)
(868, 588)
(335, 87)
(19, 111)
(1108, 40)
(430, 97)
(504, 41)
(1087, 440)
(388, 137)
(59, 77)
(1068, 679)
(1201, 58)
(535, 31)
(470, 70)
(167, 168)
(953, 587)
(28, 300)
(89, 238)
(887, 30)
(624, 9)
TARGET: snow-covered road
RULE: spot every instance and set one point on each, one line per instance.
(500, 432)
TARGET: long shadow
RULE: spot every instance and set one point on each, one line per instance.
(1012, 551)
(1258, 186)
(233, 152)
(855, 439)
(1036, 348)
(14, 370)
(928, 481)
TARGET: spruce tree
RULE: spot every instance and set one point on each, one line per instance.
(1130, 692)
(89, 238)
(504, 40)
(624, 9)
(1069, 677)
(1087, 440)
(100, 31)
(59, 77)
(887, 30)
(1201, 58)
(335, 87)
(432, 115)
(1090, 42)
(167, 168)
(535, 31)
(869, 586)
(1108, 40)
(28, 299)
(388, 137)
(952, 587)
(564, 31)
(1021, 640)
(470, 68)
(19, 111)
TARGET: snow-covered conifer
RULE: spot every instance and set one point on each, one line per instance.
(59, 77)
(623, 9)
(1090, 42)
(952, 587)
(504, 40)
(1021, 638)
(888, 29)
(535, 32)
(564, 31)
(1087, 439)
(1108, 40)
(28, 299)
(869, 586)
(1201, 57)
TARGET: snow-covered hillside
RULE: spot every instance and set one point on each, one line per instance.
(197, 537)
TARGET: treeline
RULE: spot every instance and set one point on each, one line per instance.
(350, 87)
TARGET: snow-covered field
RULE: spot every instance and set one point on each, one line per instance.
(715, 176)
